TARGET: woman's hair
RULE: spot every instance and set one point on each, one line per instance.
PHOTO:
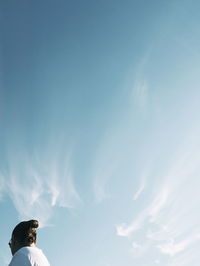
(26, 231)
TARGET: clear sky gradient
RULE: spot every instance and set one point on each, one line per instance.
(100, 129)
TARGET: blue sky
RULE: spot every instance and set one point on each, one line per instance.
(99, 129)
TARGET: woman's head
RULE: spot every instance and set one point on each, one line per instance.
(24, 234)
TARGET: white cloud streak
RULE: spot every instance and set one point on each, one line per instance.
(37, 186)
(127, 230)
(171, 218)
(172, 248)
(140, 189)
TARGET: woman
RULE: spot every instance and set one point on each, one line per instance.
(22, 245)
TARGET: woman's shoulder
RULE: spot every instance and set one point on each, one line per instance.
(20, 258)
(28, 256)
(36, 255)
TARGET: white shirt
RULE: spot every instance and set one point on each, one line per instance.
(29, 256)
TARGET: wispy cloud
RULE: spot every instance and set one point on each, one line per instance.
(37, 185)
(151, 212)
(159, 202)
(140, 85)
(127, 230)
(140, 189)
(170, 219)
(115, 144)
(172, 248)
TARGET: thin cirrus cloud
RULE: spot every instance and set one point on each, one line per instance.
(172, 248)
(170, 221)
(150, 212)
(116, 143)
(37, 186)
(140, 189)
(140, 89)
